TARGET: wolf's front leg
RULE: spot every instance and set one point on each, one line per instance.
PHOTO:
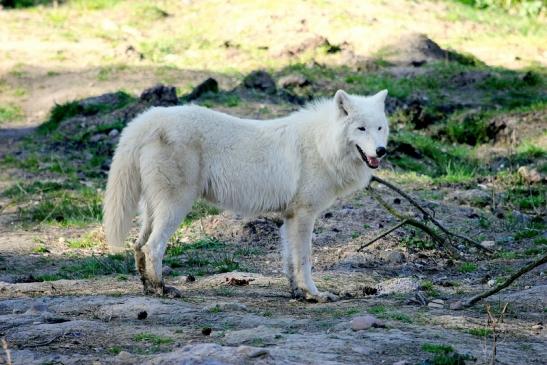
(297, 233)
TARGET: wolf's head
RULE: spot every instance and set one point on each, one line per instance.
(366, 125)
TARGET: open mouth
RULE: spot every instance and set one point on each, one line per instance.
(371, 162)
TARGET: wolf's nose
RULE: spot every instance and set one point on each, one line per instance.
(380, 151)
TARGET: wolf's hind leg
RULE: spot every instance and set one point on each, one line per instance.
(144, 234)
(168, 213)
(299, 233)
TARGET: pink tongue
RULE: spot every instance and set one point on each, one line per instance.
(373, 161)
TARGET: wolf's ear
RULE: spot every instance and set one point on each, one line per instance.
(380, 97)
(342, 102)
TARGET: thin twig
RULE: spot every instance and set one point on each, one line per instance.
(506, 283)
(383, 234)
(427, 215)
(413, 222)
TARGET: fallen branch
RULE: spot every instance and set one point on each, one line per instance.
(427, 216)
(435, 236)
(506, 283)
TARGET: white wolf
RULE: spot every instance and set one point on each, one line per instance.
(297, 166)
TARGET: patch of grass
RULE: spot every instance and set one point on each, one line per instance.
(429, 288)
(222, 98)
(468, 267)
(40, 249)
(377, 309)
(153, 339)
(401, 317)
(89, 240)
(114, 350)
(62, 112)
(526, 233)
(436, 348)
(207, 243)
(66, 207)
(93, 266)
(10, 113)
(540, 241)
(481, 331)
(200, 209)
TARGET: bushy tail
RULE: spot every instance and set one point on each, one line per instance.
(123, 191)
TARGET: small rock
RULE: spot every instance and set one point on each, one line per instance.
(113, 133)
(436, 303)
(491, 282)
(142, 315)
(252, 352)
(521, 217)
(402, 362)
(456, 305)
(260, 80)
(488, 244)
(206, 331)
(37, 308)
(97, 137)
(365, 322)
(166, 270)
(190, 279)
(537, 327)
(394, 257)
(290, 81)
(209, 85)
(160, 95)
(529, 175)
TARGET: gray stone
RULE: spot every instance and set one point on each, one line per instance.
(488, 244)
(365, 322)
(113, 133)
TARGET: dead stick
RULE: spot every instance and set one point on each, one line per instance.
(383, 234)
(413, 222)
(507, 282)
(428, 215)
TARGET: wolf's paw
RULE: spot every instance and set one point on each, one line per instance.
(319, 297)
(171, 292)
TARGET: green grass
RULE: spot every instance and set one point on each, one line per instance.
(10, 113)
(526, 233)
(65, 207)
(467, 267)
(481, 331)
(86, 241)
(153, 339)
(201, 257)
(62, 112)
(436, 348)
(93, 266)
(200, 209)
(429, 288)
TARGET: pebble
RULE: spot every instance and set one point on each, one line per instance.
(537, 327)
(113, 133)
(166, 270)
(402, 362)
(456, 305)
(37, 308)
(488, 244)
(436, 303)
(365, 322)
(491, 282)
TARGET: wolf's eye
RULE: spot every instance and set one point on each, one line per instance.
(379, 128)
(362, 129)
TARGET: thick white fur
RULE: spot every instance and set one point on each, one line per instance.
(296, 165)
